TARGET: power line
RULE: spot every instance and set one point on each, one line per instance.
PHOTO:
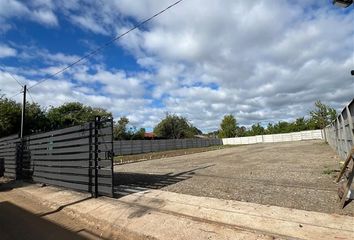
(30, 96)
(16, 94)
(97, 50)
(19, 83)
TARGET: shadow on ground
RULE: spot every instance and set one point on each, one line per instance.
(9, 184)
(126, 183)
(18, 223)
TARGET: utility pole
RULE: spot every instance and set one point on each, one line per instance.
(23, 115)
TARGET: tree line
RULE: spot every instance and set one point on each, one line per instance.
(39, 119)
(320, 117)
(172, 126)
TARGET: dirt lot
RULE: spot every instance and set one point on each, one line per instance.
(294, 174)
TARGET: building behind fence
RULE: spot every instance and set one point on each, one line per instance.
(340, 134)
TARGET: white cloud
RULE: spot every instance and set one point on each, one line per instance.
(6, 51)
(45, 16)
(266, 57)
(88, 23)
(259, 60)
(38, 11)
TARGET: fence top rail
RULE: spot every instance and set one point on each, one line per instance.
(11, 137)
(73, 129)
(349, 106)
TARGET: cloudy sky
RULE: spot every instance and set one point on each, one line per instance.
(262, 61)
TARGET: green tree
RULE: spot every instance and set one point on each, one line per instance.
(270, 129)
(322, 115)
(36, 119)
(228, 127)
(73, 113)
(282, 127)
(241, 131)
(10, 118)
(174, 127)
(257, 129)
(300, 124)
(195, 131)
(140, 134)
(120, 129)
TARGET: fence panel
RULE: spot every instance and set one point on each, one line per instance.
(127, 147)
(340, 133)
(79, 157)
(9, 156)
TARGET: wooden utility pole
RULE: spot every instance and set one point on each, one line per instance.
(23, 115)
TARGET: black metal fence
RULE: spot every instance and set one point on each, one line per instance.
(8, 156)
(79, 157)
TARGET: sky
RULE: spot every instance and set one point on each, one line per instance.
(262, 61)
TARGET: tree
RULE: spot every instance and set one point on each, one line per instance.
(135, 134)
(73, 113)
(195, 131)
(300, 124)
(257, 129)
(282, 127)
(175, 127)
(120, 130)
(140, 134)
(322, 115)
(10, 118)
(228, 127)
(36, 119)
(241, 131)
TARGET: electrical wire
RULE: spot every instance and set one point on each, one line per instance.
(16, 94)
(19, 83)
(97, 50)
(30, 96)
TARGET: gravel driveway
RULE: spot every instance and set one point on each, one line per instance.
(293, 174)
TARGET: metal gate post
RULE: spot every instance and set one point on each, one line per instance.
(90, 157)
(19, 159)
(97, 127)
(112, 156)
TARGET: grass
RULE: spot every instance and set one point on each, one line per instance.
(329, 171)
(166, 154)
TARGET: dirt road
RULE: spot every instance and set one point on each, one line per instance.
(293, 174)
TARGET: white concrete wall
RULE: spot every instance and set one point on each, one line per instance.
(272, 138)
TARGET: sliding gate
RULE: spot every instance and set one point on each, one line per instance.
(79, 157)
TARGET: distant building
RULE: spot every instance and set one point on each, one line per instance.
(149, 135)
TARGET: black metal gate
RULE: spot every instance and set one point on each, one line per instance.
(79, 157)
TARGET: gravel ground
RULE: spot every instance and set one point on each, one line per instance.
(294, 174)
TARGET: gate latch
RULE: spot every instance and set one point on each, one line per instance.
(109, 154)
